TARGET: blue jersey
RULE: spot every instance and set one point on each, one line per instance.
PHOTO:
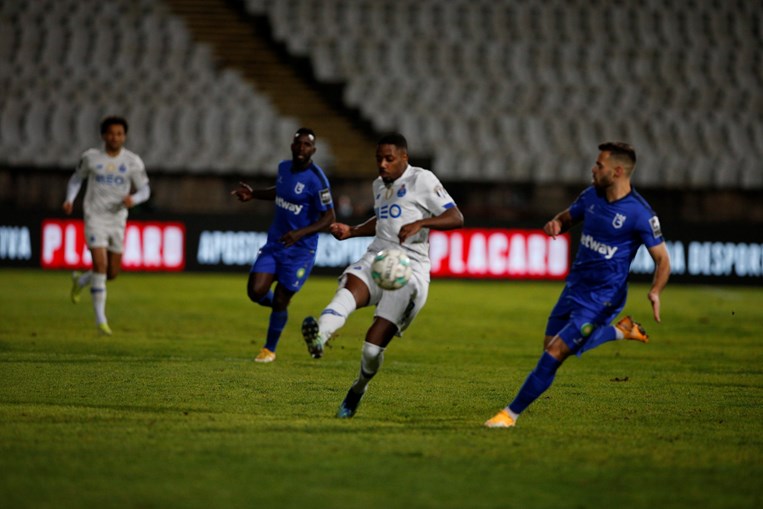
(612, 233)
(301, 198)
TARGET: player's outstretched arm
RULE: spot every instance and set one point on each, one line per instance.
(448, 220)
(342, 231)
(659, 254)
(559, 224)
(244, 192)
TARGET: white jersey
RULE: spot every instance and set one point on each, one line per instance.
(416, 194)
(109, 181)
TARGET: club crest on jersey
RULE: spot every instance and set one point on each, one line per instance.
(299, 188)
(401, 192)
(618, 221)
(122, 168)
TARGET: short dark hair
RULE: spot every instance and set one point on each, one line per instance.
(623, 151)
(396, 139)
(304, 131)
(113, 120)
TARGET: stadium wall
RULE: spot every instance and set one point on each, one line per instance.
(721, 253)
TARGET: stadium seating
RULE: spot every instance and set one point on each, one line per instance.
(549, 78)
(74, 61)
(519, 91)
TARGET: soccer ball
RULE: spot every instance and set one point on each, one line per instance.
(391, 269)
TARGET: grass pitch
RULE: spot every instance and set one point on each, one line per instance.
(172, 411)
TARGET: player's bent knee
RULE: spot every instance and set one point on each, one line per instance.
(557, 348)
(254, 295)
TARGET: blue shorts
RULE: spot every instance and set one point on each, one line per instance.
(290, 265)
(577, 314)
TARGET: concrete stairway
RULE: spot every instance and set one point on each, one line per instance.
(239, 44)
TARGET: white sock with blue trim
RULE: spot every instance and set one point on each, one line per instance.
(98, 292)
(335, 315)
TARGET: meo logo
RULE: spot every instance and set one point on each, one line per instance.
(389, 211)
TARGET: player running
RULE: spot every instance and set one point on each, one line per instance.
(408, 202)
(616, 222)
(303, 207)
(110, 172)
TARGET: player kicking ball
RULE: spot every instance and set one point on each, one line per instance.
(408, 202)
(616, 222)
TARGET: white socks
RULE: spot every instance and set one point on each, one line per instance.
(98, 292)
(85, 278)
(335, 315)
(370, 361)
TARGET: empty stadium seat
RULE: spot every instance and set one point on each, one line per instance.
(544, 73)
(475, 74)
(74, 61)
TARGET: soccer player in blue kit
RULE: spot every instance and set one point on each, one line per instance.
(616, 221)
(303, 207)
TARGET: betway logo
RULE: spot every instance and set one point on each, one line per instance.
(594, 245)
(291, 207)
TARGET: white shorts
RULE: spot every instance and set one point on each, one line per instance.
(109, 234)
(397, 306)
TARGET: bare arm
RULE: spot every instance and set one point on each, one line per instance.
(322, 224)
(244, 192)
(659, 254)
(448, 220)
(343, 231)
(560, 223)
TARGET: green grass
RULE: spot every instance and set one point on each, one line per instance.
(172, 412)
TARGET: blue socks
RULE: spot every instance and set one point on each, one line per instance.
(277, 323)
(536, 383)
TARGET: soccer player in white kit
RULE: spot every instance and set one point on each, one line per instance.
(408, 202)
(112, 172)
